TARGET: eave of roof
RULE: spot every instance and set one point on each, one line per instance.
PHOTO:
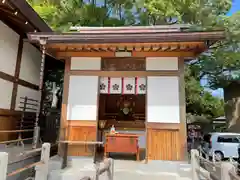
(141, 36)
(27, 11)
(162, 28)
(20, 16)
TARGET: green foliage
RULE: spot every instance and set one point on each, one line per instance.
(63, 14)
(199, 101)
(222, 64)
(196, 12)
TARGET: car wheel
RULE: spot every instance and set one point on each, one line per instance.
(219, 156)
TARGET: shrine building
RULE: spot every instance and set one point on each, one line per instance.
(129, 77)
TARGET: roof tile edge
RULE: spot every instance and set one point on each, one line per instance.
(131, 28)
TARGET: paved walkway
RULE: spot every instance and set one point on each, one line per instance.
(123, 170)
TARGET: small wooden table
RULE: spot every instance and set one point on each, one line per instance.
(122, 143)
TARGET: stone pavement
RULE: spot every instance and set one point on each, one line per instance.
(123, 170)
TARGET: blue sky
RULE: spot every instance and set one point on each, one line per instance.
(235, 8)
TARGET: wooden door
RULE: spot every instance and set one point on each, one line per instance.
(163, 144)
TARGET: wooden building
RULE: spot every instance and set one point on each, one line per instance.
(19, 59)
(129, 77)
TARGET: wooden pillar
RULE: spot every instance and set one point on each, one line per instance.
(63, 119)
(17, 72)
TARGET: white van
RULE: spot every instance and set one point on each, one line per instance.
(225, 145)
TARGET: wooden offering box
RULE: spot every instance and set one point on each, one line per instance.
(122, 143)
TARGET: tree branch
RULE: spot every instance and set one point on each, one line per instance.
(221, 44)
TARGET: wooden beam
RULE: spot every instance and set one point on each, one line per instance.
(146, 48)
(134, 54)
(81, 123)
(167, 126)
(165, 48)
(137, 48)
(163, 54)
(8, 112)
(28, 84)
(124, 73)
(63, 119)
(12, 79)
(17, 72)
(106, 45)
(6, 77)
(113, 49)
(8, 12)
(64, 55)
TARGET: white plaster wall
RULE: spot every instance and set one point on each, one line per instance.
(82, 98)
(23, 91)
(9, 41)
(30, 64)
(86, 63)
(162, 63)
(6, 94)
(163, 99)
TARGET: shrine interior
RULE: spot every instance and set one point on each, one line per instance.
(127, 114)
(122, 100)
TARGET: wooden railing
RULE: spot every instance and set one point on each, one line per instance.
(67, 143)
(105, 166)
(203, 168)
(41, 167)
(25, 127)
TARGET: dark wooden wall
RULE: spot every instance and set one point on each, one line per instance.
(8, 121)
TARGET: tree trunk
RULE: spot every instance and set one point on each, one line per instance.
(232, 107)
